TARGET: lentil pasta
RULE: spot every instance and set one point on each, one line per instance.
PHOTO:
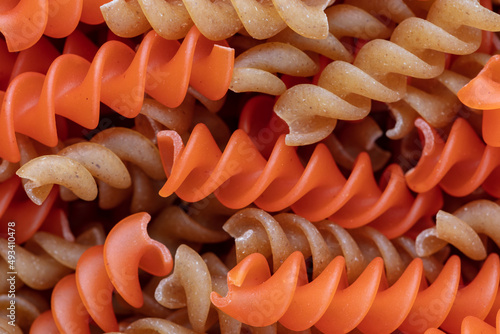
(244, 166)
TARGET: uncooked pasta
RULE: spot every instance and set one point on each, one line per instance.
(249, 166)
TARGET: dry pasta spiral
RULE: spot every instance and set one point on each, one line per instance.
(118, 77)
(459, 166)
(259, 298)
(254, 68)
(216, 21)
(28, 216)
(75, 166)
(102, 269)
(462, 229)
(46, 258)
(29, 305)
(416, 49)
(256, 231)
(240, 176)
(435, 100)
(264, 128)
(24, 22)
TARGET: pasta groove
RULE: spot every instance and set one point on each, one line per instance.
(256, 231)
(118, 77)
(285, 52)
(462, 229)
(481, 93)
(262, 125)
(24, 22)
(102, 157)
(46, 258)
(28, 216)
(416, 49)
(240, 176)
(459, 166)
(116, 265)
(363, 304)
(217, 20)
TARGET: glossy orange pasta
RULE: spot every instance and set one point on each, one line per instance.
(240, 176)
(24, 22)
(259, 298)
(28, 216)
(116, 266)
(168, 139)
(459, 166)
(481, 93)
(153, 69)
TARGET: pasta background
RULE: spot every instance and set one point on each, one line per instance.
(249, 166)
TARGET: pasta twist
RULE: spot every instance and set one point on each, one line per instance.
(344, 91)
(462, 229)
(27, 216)
(285, 52)
(216, 21)
(29, 305)
(259, 298)
(264, 128)
(46, 258)
(240, 176)
(435, 100)
(101, 269)
(255, 231)
(481, 93)
(35, 59)
(471, 324)
(118, 77)
(459, 166)
(24, 22)
(102, 157)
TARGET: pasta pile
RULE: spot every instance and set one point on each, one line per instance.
(249, 166)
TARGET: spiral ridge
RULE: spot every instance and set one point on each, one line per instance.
(27, 216)
(258, 298)
(240, 176)
(103, 158)
(459, 166)
(102, 269)
(24, 22)
(57, 256)
(380, 69)
(462, 229)
(118, 77)
(219, 20)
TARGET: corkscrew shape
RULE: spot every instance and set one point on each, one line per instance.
(436, 100)
(28, 216)
(285, 52)
(24, 22)
(103, 269)
(264, 127)
(46, 258)
(258, 298)
(471, 325)
(118, 77)
(380, 69)
(482, 93)
(459, 166)
(462, 229)
(103, 157)
(277, 237)
(216, 21)
(240, 176)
